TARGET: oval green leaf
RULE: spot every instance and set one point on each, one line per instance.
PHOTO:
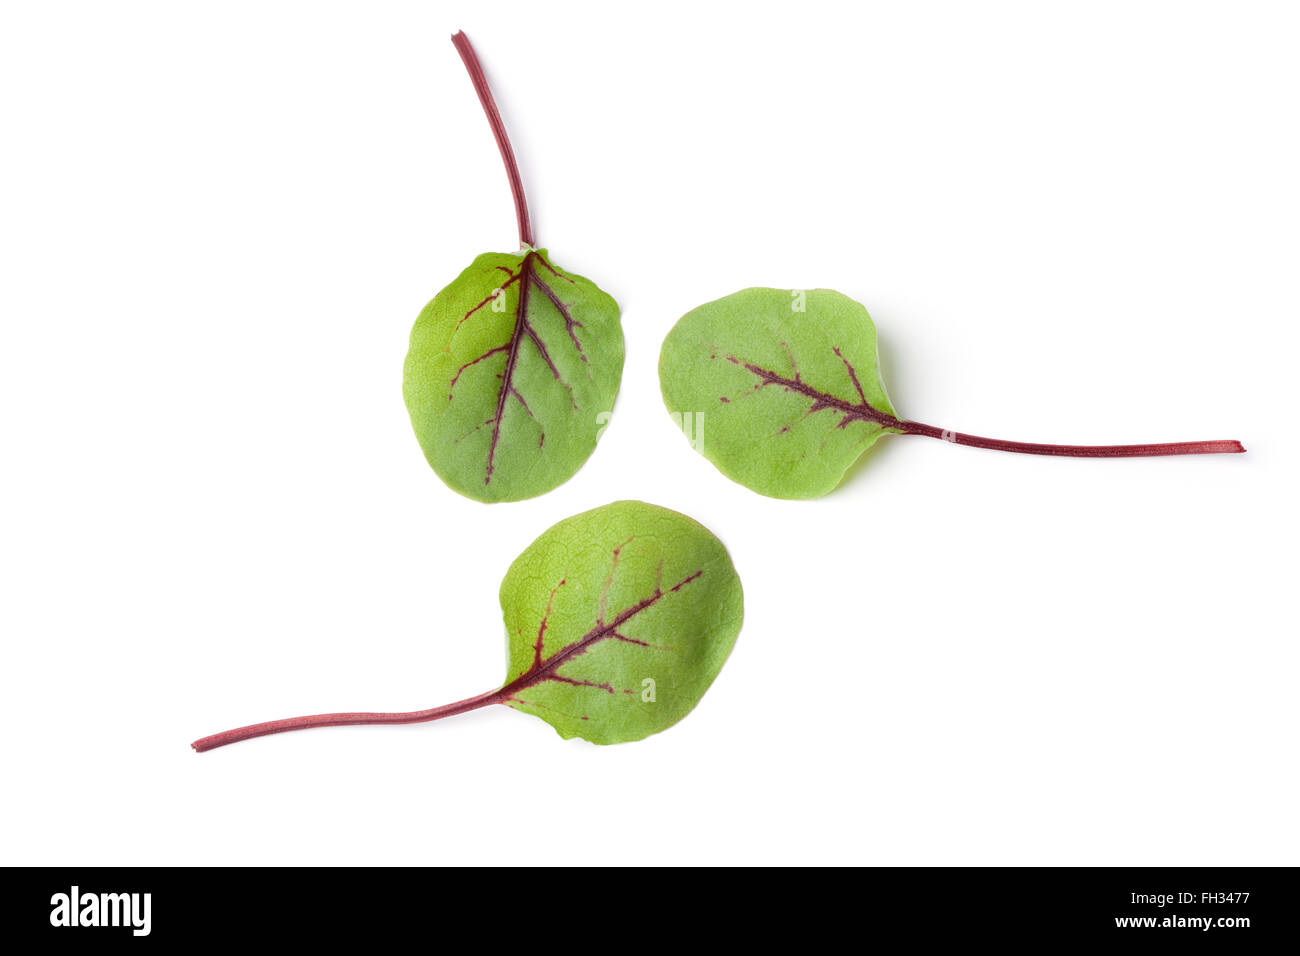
(779, 388)
(512, 374)
(618, 620)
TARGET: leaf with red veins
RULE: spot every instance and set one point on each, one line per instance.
(540, 646)
(535, 351)
(639, 643)
(492, 296)
(571, 324)
(559, 275)
(602, 606)
(585, 671)
(546, 357)
(451, 393)
(824, 400)
(639, 581)
(607, 687)
(800, 430)
(542, 430)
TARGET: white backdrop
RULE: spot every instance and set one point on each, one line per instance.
(1071, 222)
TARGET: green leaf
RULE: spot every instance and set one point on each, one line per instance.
(777, 387)
(511, 375)
(618, 620)
(781, 390)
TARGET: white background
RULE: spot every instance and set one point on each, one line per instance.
(1071, 223)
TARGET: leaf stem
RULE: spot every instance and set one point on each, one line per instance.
(334, 720)
(466, 51)
(1076, 451)
(864, 411)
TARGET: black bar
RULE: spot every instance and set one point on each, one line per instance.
(1236, 908)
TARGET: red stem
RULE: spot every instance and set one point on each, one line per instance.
(1076, 451)
(866, 412)
(542, 670)
(335, 720)
(484, 92)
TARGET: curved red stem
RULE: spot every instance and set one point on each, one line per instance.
(484, 92)
(335, 720)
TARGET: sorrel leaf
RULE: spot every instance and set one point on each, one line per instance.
(511, 373)
(781, 390)
(617, 621)
(512, 369)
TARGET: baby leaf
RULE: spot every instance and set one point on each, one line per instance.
(514, 367)
(509, 371)
(617, 621)
(781, 390)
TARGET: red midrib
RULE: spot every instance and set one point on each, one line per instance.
(507, 377)
(864, 411)
(534, 675)
(600, 632)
